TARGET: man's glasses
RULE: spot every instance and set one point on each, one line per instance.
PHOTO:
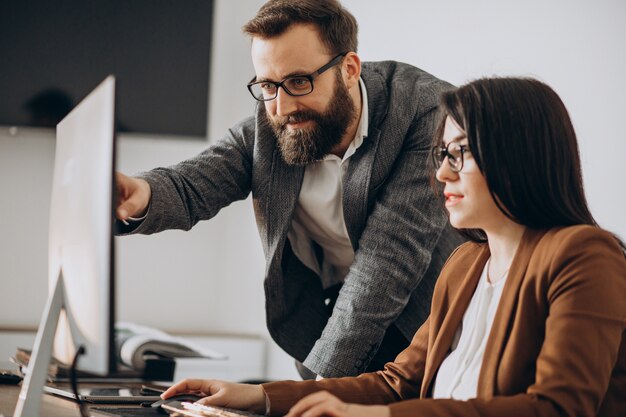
(294, 85)
(454, 152)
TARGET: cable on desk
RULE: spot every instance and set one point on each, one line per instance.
(84, 412)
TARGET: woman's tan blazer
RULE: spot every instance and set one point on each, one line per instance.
(557, 345)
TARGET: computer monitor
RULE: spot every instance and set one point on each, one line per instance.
(80, 307)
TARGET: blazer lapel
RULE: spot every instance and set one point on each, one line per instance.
(504, 314)
(357, 185)
(357, 182)
(285, 183)
(451, 318)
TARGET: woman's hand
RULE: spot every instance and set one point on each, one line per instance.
(324, 403)
(223, 394)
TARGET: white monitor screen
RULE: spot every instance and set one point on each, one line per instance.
(81, 239)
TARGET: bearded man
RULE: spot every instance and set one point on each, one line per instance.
(336, 158)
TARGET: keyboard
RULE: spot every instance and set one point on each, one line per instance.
(173, 409)
(197, 410)
(125, 412)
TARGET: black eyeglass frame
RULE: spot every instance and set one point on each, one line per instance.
(336, 60)
(439, 153)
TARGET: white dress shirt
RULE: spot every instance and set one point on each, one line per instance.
(458, 375)
(318, 215)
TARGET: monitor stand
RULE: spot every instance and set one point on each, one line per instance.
(29, 402)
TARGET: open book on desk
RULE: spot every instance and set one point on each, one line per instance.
(138, 343)
(143, 353)
(60, 372)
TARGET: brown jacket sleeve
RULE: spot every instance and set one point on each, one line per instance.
(572, 302)
(400, 379)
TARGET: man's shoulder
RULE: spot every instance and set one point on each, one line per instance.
(391, 68)
(245, 127)
(400, 75)
(247, 130)
(415, 91)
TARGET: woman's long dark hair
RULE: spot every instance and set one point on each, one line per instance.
(523, 141)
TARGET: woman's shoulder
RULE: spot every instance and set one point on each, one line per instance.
(581, 250)
(460, 261)
(466, 252)
(579, 237)
(468, 248)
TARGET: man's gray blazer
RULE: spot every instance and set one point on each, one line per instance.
(396, 224)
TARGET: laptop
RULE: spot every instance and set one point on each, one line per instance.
(105, 395)
(174, 409)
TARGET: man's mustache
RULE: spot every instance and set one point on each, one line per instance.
(296, 117)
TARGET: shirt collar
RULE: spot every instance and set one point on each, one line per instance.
(364, 123)
(362, 129)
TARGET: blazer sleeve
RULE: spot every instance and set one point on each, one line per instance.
(583, 335)
(197, 188)
(399, 380)
(394, 253)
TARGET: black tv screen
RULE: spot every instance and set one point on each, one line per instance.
(53, 53)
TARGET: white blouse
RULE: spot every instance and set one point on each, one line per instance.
(458, 375)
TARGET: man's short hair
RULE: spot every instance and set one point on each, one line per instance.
(336, 26)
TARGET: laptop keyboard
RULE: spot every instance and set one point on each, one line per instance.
(127, 412)
(159, 412)
(197, 410)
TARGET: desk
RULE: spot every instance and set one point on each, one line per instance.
(51, 406)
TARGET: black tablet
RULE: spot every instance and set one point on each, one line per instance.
(105, 395)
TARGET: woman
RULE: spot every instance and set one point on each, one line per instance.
(527, 319)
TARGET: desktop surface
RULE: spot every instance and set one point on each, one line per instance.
(53, 406)
(50, 406)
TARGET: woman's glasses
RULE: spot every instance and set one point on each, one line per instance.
(453, 151)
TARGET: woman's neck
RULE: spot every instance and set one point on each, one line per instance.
(503, 242)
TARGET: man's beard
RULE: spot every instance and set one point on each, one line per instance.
(303, 146)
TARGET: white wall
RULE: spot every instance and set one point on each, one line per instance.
(216, 270)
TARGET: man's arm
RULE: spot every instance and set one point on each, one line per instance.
(394, 252)
(133, 197)
(196, 189)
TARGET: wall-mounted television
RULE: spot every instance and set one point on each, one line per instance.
(52, 53)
